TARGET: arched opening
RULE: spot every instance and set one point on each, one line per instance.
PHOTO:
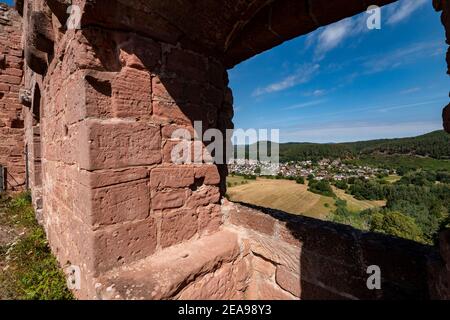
(337, 95)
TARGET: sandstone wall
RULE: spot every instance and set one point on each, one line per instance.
(110, 102)
(11, 121)
(140, 226)
(295, 257)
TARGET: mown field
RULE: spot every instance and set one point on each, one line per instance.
(290, 197)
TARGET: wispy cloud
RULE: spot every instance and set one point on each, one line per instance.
(400, 56)
(410, 90)
(441, 100)
(403, 10)
(339, 132)
(333, 35)
(305, 104)
(302, 75)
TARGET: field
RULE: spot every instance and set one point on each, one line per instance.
(291, 197)
(357, 205)
(392, 178)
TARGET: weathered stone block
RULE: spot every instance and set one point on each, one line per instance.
(203, 196)
(178, 226)
(131, 94)
(123, 243)
(118, 203)
(115, 144)
(171, 177)
(288, 280)
(168, 199)
(209, 219)
(209, 174)
(250, 218)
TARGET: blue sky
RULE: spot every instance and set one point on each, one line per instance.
(345, 82)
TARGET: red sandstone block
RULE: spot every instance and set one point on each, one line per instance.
(104, 178)
(124, 202)
(13, 72)
(115, 144)
(210, 174)
(287, 280)
(177, 226)
(265, 268)
(123, 243)
(249, 218)
(4, 87)
(89, 95)
(171, 177)
(267, 290)
(187, 64)
(131, 94)
(174, 90)
(203, 196)
(10, 79)
(209, 219)
(168, 130)
(181, 114)
(168, 199)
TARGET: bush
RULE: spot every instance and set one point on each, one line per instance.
(322, 187)
(397, 224)
(300, 180)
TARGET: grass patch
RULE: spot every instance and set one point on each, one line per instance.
(29, 271)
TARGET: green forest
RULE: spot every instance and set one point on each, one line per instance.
(417, 207)
(434, 145)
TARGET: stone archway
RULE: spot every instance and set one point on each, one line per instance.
(115, 90)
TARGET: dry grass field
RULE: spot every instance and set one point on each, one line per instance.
(291, 197)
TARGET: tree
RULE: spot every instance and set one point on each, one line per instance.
(321, 187)
(300, 180)
(397, 224)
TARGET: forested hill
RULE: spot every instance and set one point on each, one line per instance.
(435, 144)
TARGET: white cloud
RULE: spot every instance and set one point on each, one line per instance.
(333, 35)
(304, 105)
(302, 75)
(402, 10)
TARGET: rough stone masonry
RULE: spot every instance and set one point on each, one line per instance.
(103, 85)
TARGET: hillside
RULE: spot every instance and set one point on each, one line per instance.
(435, 145)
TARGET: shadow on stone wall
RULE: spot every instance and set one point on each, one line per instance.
(334, 259)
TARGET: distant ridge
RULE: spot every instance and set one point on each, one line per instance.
(435, 145)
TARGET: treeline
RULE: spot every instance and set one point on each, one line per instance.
(434, 145)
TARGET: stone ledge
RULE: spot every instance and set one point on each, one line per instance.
(165, 274)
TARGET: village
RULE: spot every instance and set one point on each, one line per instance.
(324, 169)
